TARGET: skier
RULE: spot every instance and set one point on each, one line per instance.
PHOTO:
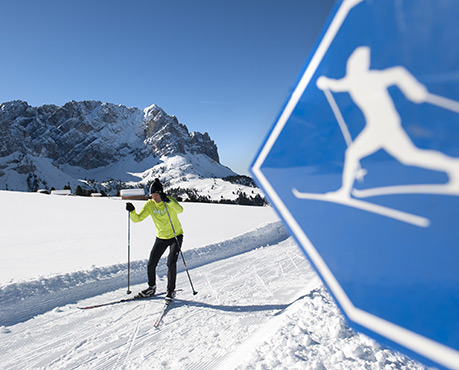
(383, 128)
(169, 233)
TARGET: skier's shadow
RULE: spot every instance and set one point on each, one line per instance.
(236, 308)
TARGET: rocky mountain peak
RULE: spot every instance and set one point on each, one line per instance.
(92, 136)
(155, 118)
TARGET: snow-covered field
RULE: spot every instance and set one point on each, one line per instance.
(259, 306)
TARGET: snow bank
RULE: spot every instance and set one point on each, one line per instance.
(23, 300)
(312, 334)
(46, 236)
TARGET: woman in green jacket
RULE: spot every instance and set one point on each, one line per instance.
(163, 210)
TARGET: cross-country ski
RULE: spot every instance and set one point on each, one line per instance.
(123, 300)
(441, 189)
(137, 297)
(166, 306)
(365, 206)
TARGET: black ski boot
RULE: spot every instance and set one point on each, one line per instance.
(149, 292)
(170, 296)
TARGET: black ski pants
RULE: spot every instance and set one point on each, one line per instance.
(157, 251)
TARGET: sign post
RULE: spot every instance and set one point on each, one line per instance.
(362, 165)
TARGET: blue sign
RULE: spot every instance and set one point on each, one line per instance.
(362, 165)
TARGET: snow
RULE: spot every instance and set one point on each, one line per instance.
(81, 232)
(260, 305)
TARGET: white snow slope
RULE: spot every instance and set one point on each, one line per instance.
(259, 306)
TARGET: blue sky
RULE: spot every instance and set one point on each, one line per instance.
(224, 67)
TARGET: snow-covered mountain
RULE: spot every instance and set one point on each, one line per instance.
(105, 147)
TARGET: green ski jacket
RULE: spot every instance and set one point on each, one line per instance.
(158, 213)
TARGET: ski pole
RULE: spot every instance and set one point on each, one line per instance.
(180, 249)
(129, 255)
(361, 172)
(442, 102)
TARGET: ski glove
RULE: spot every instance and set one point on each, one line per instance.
(164, 197)
(130, 207)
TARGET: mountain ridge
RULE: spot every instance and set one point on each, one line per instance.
(111, 145)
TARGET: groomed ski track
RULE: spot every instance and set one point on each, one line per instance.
(24, 300)
(243, 284)
(259, 306)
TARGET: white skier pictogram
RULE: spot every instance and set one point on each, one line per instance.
(383, 130)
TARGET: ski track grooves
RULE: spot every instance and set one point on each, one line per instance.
(22, 301)
(204, 332)
(132, 339)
